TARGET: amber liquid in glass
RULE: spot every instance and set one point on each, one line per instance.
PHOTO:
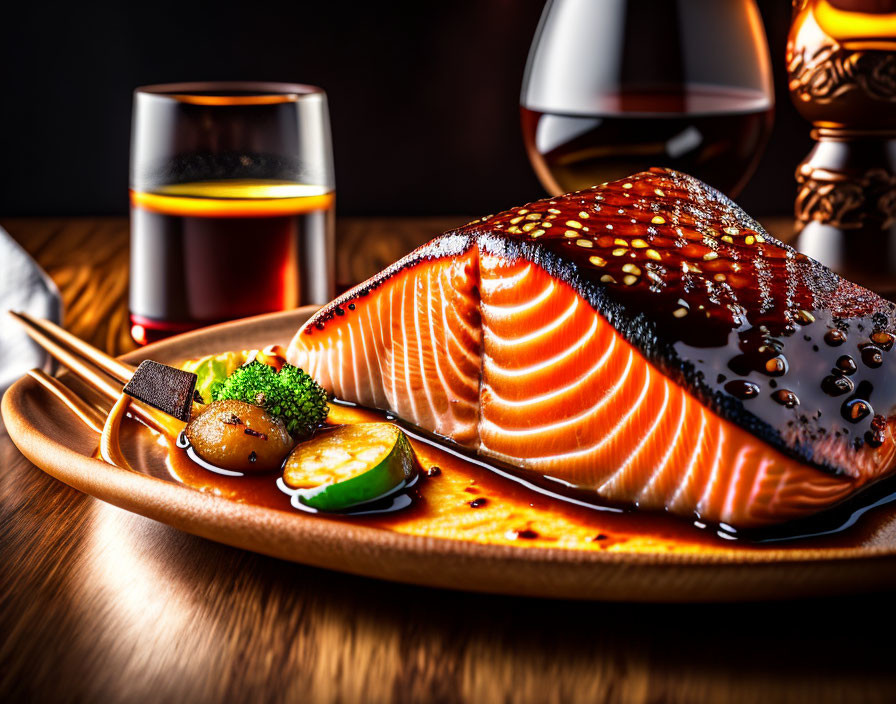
(713, 134)
(210, 251)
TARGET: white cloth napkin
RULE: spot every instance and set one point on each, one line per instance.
(23, 287)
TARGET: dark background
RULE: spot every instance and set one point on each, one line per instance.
(423, 97)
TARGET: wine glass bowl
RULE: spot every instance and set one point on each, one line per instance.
(618, 86)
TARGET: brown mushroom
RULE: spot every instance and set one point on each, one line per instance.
(239, 436)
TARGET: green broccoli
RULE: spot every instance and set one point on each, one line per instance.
(289, 394)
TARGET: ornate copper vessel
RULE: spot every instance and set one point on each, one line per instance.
(841, 61)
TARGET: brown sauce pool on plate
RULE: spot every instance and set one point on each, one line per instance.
(465, 498)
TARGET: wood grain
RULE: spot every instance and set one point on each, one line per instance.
(88, 260)
(98, 604)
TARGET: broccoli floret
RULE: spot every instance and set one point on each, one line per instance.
(289, 394)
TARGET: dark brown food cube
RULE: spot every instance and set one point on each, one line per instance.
(163, 387)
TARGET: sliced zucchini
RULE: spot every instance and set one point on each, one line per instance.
(351, 465)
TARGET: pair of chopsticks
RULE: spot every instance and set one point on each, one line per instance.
(101, 372)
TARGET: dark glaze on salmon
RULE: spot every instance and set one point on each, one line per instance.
(644, 340)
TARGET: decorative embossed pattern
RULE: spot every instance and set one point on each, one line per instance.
(845, 200)
(825, 73)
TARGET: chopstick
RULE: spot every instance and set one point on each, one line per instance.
(67, 348)
(88, 415)
(95, 368)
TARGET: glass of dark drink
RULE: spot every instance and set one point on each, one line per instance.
(617, 86)
(232, 198)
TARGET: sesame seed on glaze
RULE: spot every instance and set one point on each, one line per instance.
(884, 340)
(748, 281)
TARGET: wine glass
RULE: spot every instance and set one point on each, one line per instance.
(231, 203)
(617, 86)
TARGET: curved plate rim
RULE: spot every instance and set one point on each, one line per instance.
(321, 542)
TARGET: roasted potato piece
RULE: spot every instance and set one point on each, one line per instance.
(239, 436)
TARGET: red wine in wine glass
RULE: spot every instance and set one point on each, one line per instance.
(618, 86)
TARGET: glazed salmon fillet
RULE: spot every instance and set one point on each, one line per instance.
(641, 343)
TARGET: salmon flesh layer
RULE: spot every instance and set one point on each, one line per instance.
(643, 342)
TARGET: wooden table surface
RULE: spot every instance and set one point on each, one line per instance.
(98, 604)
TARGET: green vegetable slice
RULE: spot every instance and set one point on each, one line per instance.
(213, 371)
(351, 465)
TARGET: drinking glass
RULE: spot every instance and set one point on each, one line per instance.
(232, 196)
(617, 86)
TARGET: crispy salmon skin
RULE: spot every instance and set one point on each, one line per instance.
(643, 342)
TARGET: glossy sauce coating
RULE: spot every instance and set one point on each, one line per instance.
(708, 296)
(672, 263)
(461, 498)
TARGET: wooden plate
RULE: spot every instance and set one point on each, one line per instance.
(49, 436)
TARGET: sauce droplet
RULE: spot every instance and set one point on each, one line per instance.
(847, 364)
(776, 366)
(786, 398)
(835, 337)
(872, 356)
(742, 389)
(856, 409)
(525, 534)
(836, 385)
